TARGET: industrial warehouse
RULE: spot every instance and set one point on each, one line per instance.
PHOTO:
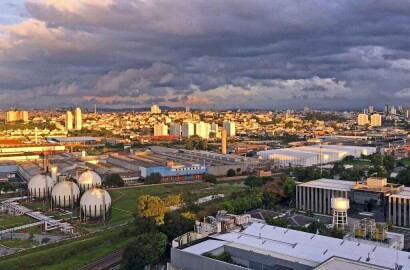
(314, 155)
(391, 201)
(261, 246)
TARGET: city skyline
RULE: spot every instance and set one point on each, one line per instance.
(235, 54)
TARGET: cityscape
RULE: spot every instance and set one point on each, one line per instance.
(193, 135)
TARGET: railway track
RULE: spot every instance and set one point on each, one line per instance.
(107, 262)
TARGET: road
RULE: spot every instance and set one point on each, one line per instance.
(105, 263)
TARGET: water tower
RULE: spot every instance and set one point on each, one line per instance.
(339, 207)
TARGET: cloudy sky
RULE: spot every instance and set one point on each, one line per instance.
(272, 54)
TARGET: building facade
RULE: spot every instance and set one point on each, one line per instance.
(362, 119)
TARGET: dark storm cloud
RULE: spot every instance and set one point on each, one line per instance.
(273, 53)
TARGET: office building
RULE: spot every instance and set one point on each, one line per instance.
(160, 130)
(230, 128)
(12, 116)
(202, 129)
(316, 196)
(155, 109)
(188, 129)
(69, 121)
(175, 130)
(371, 109)
(365, 111)
(393, 110)
(78, 119)
(362, 119)
(376, 120)
(386, 109)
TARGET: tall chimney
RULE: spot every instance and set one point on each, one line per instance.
(223, 144)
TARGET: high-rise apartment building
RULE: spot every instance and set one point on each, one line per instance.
(371, 109)
(376, 120)
(187, 129)
(12, 116)
(230, 128)
(78, 119)
(175, 130)
(362, 119)
(160, 130)
(215, 130)
(202, 129)
(69, 121)
(393, 110)
(155, 109)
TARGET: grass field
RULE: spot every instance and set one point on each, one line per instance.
(125, 200)
(16, 243)
(68, 254)
(7, 221)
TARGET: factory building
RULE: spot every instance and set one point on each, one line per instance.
(394, 198)
(314, 155)
(261, 246)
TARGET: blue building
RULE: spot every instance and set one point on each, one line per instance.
(176, 172)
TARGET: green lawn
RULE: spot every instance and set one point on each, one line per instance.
(67, 254)
(17, 243)
(7, 221)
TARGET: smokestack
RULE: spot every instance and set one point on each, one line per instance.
(36, 135)
(223, 144)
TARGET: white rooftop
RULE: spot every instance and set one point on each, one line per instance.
(333, 184)
(403, 194)
(205, 246)
(311, 249)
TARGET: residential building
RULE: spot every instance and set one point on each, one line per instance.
(155, 109)
(230, 128)
(12, 116)
(78, 119)
(362, 119)
(160, 130)
(175, 130)
(376, 120)
(188, 129)
(69, 121)
(202, 129)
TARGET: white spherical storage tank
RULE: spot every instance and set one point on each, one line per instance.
(89, 179)
(95, 203)
(65, 194)
(40, 186)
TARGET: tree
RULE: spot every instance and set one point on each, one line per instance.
(253, 181)
(289, 187)
(154, 178)
(151, 207)
(139, 226)
(147, 249)
(273, 192)
(195, 142)
(114, 180)
(173, 200)
(403, 177)
(279, 221)
(231, 172)
(389, 162)
(176, 224)
(210, 178)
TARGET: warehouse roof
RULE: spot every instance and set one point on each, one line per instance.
(332, 184)
(71, 139)
(311, 249)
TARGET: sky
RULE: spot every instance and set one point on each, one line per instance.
(212, 54)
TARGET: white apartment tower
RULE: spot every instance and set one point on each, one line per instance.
(69, 121)
(12, 116)
(155, 109)
(376, 120)
(78, 119)
(175, 130)
(202, 129)
(371, 109)
(160, 130)
(187, 129)
(362, 119)
(230, 128)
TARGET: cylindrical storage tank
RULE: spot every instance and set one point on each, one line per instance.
(65, 194)
(96, 203)
(40, 186)
(89, 179)
(340, 204)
